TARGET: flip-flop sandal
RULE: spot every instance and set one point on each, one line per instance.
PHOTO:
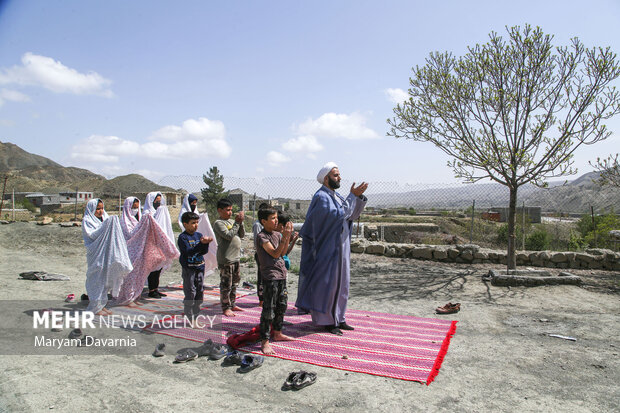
(304, 379)
(290, 380)
(70, 298)
(187, 355)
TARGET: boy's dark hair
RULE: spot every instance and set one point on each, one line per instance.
(283, 217)
(188, 216)
(265, 213)
(224, 203)
(263, 205)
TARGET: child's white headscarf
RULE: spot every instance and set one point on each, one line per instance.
(128, 219)
(106, 255)
(161, 215)
(90, 223)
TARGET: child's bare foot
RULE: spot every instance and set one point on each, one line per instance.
(108, 312)
(132, 305)
(260, 303)
(101, 313)
(266, 348)
(278, 336)
(235, 308)
(229, 313)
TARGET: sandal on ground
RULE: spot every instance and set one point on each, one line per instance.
(249, 362)
(449, 308)
(186, 355)
(159, 350)
(290, 380)
(75, 333)
(304, 379)
(233, 358)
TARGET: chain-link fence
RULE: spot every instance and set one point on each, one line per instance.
(562, 217)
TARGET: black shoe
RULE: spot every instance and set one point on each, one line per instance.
(154, 294)
(333, 330)
(345, 326)
(161, 294)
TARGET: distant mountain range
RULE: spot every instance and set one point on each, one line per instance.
(28, 172)
(576, 196)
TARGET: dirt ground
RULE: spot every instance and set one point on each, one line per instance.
(501, 358)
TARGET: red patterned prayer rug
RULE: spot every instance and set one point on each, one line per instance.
(389, 345)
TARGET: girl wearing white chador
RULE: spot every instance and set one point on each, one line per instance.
(155, 205)
(148, 246)
(204, 227)
(106, 254)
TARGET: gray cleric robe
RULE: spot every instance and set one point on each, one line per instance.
(325, 255)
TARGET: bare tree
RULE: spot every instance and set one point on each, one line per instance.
(609, 170)
(513, 111)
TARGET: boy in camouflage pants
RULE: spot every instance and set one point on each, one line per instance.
(228, 233)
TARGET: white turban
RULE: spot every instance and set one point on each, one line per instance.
(324, 171)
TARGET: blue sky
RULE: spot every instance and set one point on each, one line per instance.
(258, 88)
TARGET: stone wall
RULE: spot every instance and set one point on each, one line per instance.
(473, 254)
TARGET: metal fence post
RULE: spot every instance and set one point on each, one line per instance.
(471, 231)
(523, 227)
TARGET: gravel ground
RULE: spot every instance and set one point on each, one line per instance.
(500, 360)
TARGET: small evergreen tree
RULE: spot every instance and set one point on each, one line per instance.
(213, 191)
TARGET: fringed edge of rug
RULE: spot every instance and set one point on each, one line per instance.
(442, 353)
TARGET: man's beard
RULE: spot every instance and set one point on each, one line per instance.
(333, 184)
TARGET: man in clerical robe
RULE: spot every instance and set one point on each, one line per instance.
(326, 251)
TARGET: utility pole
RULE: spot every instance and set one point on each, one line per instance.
(3, 189)
(76, 197)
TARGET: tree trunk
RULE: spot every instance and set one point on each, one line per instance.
(512, 207)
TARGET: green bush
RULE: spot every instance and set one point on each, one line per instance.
(539, 240)
(26, 203)
(576, 242)
(597, 234)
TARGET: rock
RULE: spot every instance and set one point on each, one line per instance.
(45, 221)
(440, 254)
(467, 255)
(424, 253)
(558, 257)
(377, 249)
(3, 222)
(468, 247)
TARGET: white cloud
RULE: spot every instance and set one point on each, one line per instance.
(306, 143)
(276, 158)
(7, 122)
(193, 140)
(191, 129)
(51, 74)
(97, 148)
(13, 96)
(338, 125)
(396, 95)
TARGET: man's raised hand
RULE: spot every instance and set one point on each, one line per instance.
(359, 190)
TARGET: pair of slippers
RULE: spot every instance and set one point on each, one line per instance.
(297, 380)
(448, 308)
(208, 349)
